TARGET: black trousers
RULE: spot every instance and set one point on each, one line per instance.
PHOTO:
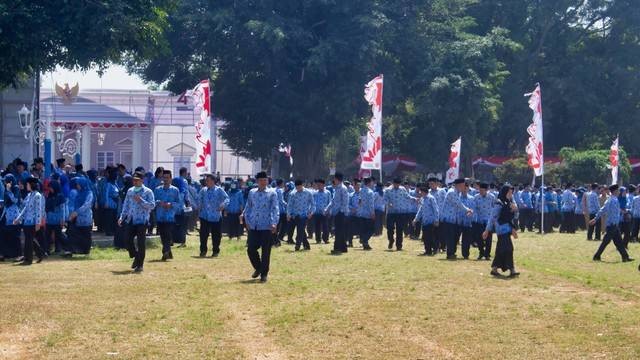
(109, 221)
(395, 223)
(300, 225)
(10, 246)
(449, 232)
(379, 223)
(321, 228)
(282, 226)
(484, 246)
(31, 243)
(340, 243)
(54, 235)
(467, 239)
(365, 230)
(165, 229)
(233, 225)
(137, 248)
(259, 239)
(625, 231)
(635, 228)
(213, 228)
(179, 235)
(568, 223)
(597, 227)
(429, 239)
(612, 234)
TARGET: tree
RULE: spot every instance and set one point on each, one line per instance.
(584, 167)
(38, 35)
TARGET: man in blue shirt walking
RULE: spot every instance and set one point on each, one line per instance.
(611, 210)
(211, 202)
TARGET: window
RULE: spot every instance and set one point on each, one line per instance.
(104, 158)
(181, 161)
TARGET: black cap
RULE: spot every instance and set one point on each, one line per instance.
(38, 160)
(298, 182)
(613, 187)
(60, 161)
(138, 175)
(397, 181)
(484, 185)
(458, 181)
(262, 175)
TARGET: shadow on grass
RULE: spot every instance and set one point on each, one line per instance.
(124, 272)
(250, 282)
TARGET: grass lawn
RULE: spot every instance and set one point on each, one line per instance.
(362, 305)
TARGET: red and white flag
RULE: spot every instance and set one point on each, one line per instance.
(363, 173)
(202, 101)
(535, 147)
(614, 159)
(454, 161)
(372, 157)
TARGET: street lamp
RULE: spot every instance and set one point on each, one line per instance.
(25, 117)
(101, 138)
(59, 134)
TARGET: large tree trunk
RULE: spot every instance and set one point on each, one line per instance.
(309, 161)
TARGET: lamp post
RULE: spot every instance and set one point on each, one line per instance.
(78, 157)
(25, 118)
(69, 147)
(47, 141)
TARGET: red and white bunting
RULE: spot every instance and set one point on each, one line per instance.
(372, 157)
(202, 101)
(535, 148)
(454, 161)
(614, 159)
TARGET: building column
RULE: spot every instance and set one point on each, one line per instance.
(136, 156)
(86, 147)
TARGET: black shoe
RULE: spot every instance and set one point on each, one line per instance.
(317, 242)
(297, 248)
(336, 252)
(452, 257)
(40, 259)
(215, 254)
(627, 260)
(263, 278)
(307, 248)
(170, 256)
(514, 274)
(203, 254)
(255, 274)
(134, 265)
(487, 258)
(326, 242)
(367, 248)
(390, 245)
(164, 257)
(494, 273)
(466, 258)
(597, 258)
(25, 263)
(138, 269)
(399, 249)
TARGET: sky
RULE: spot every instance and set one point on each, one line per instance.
(115, 77)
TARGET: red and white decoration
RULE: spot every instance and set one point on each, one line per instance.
(363, 173)
(454, 161)
(614, 159)
(535, 147)
(372, 157)
(202, 101)
(287, 152)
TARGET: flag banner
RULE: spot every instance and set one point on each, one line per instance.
(202, 102)
(372, 157)
(614, 159)
(454, 161)
(535, 147)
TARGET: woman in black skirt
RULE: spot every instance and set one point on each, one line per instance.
(502, 223)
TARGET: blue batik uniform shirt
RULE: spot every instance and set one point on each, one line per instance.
(321, 200)
(366, 204)
(397, 200)
(428, 212)
(262, 210)
(483, 208)
(300, 203)
(168, 195)
(340, 201)
(452, 204)
(210, 200)
(137, 213)
(611, 209)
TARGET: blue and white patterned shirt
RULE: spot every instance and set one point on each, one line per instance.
(282, 204)
(340, 201)
(262, 210)
(366, 204)
(32, 212)
(167, 195)
(300, 203)
(398, 200)
(236, 202)
(593, 204)
(137, 213)
(321, 200)
(379, 202)
(85, 214)
(568, 201)
(12, 211)
(611, 209)
(452, 204)
(110, 195)
(462, 217)
(428, 212)
(525, 200)
(483, 208)
(635, 207)
(210, 200)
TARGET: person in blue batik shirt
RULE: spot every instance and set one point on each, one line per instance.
(212, 200)
(10, 246)
(365, 214)
(397, 200)
(168, 201)
(321, 197)
(611, 209)
(483, 210)
(233, 210)
(81, 218)
(260, 217)
(502, 223)
(283, 228)
(300, 208)
(339, 209)
(593, 205)
(451, 208)
(427, 217)
(152, 181)
(110, 195)
(32, 218)
(137, 206)
(55, 208)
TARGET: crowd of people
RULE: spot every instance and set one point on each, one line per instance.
(58, 214)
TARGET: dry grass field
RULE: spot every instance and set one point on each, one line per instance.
(362, 305)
